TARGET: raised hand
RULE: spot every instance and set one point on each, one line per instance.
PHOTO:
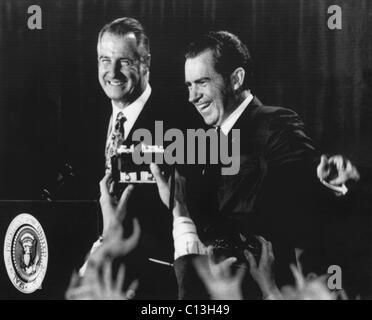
(180, 208)
(219, 278)
(310, 288)
(97, 281)
(98, 285)
(114, 245)
(263, 272)
(345, 170)
(113, 211)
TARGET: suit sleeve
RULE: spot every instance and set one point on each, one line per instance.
(286, 139)
(292, 196)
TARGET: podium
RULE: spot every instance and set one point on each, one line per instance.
(42, 243)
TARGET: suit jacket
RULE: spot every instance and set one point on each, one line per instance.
(270, 194)
(274, 149)
(145, 204)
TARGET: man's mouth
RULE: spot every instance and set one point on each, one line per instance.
(202, 107)
(116, 83)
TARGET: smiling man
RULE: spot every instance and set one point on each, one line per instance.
(123, 53)
(123, 70)
(277, 159)
(123, 67)
(218, 78)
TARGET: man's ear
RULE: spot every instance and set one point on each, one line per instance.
(237, 78)
(147, 62)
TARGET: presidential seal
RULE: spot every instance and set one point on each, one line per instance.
(26, 253)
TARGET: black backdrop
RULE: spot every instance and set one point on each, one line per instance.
(53, 111)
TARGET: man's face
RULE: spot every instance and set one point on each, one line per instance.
(208, 90)
(121, 74)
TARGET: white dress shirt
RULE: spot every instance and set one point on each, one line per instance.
(228, 123)
(131, 112)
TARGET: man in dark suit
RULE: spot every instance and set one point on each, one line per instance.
(273, 145)
(277, 159)
(123, 52)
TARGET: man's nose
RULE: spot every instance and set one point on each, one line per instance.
(114, 69)
(194, 95)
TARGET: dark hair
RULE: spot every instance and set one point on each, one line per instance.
(229, 53)
(123, 26)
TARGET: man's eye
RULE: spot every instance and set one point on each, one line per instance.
(125, 63)
(104, 61)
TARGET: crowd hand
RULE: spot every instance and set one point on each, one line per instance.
(180, 208)
(220, 280)
(98, 285)
(263, 273)
(114, 245)
(346, 171)
(310, 288)
(113, 211)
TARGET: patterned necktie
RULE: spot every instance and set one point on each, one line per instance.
(115, 140)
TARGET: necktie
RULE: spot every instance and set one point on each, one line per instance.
(115, 140)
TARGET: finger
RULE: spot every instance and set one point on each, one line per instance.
(162, 184)
(251, 260)
(160, 179)
(323, 164)
(240, 272)
(120, 278)
(202, 268)
(351, 171)
(74, 280)
(299, 278)
(132, 241)
(177, 175)
(224, 267)
(242, 237)
(339, 161)
(338, 181)
(261, 239)
(210, 253)
(104, 185)
(227, 263)
(349, 166)
(131, 292)
(107, 275)
(270, 250)
(123, 202)
(264, 256)
(323, 159)
(110, 188)
(323, 167)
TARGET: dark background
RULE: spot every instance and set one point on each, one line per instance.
(53, 111)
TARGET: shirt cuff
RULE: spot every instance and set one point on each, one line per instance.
(186, 240)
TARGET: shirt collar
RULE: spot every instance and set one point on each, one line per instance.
(132, 111)
(228, 123)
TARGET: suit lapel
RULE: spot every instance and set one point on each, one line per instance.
(251, 166)
(145, 120)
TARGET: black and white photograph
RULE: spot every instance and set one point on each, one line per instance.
(158, 150)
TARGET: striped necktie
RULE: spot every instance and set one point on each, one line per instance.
(115, 140)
